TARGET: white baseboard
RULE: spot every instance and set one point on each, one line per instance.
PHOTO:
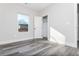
(12, 41)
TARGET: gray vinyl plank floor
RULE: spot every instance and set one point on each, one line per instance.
(37, 48)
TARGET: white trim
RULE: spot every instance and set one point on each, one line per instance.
(7, 42)
(75, 23)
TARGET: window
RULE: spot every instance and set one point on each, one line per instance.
(23, 22)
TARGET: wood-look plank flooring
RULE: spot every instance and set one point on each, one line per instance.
(37, 48)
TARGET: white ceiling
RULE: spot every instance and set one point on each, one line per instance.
(37, 6)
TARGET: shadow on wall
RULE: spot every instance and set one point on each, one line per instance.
(56, 36)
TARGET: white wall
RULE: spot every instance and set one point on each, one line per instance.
(63, 18)
(8, 23)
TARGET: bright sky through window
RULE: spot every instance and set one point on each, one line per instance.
(23, 19)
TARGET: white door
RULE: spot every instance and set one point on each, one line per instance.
(44, 27)
(37, 27)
